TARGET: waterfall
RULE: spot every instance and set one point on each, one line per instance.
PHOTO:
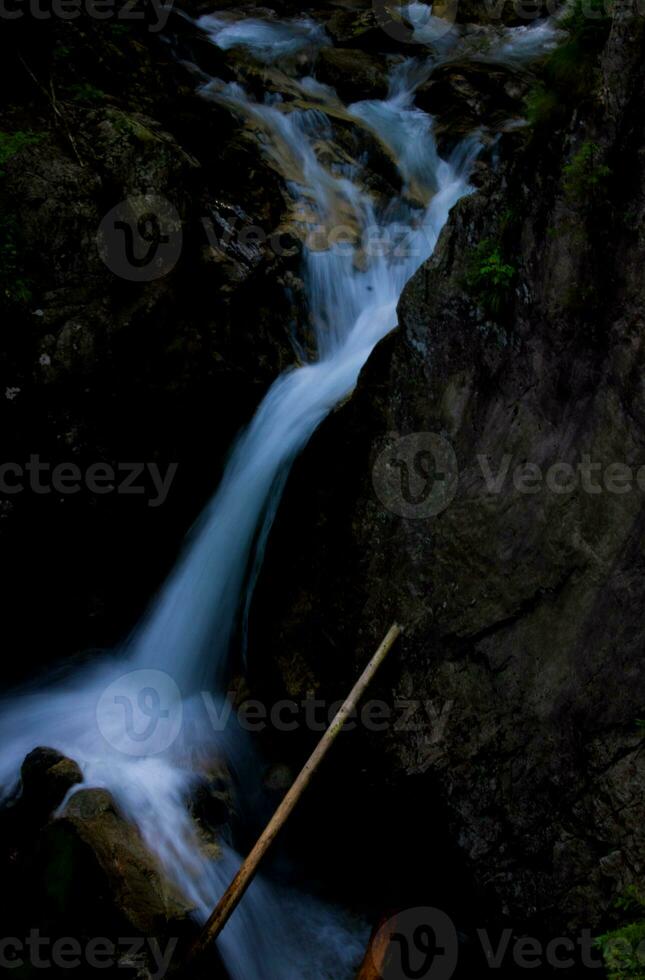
(181, 648)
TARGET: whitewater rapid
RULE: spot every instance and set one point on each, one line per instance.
(141, 721)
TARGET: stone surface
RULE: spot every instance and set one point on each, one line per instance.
(46, 777)
(106, 857)
(355, 74)
(523, 610)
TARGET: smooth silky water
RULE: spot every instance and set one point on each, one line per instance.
(145, 722)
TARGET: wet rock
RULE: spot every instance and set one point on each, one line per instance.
(107, 866)
(466, 96)
(357, 28)
(88, 874)
(513, 13)
(355, 74)
(212, 800)
(46, 777)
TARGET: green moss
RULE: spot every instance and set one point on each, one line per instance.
(62, 52)
(570, 72)
(12, 143)
(489, 277)
(15, 290)
(623, 949)
(118, 31)
(84, 92)
(589, 22)
(586, 176)
(541, 104)
(132, 128)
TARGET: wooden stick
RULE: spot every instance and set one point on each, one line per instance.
(235, 891)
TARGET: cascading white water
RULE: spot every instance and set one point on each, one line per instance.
(182, 646)
(268, 40)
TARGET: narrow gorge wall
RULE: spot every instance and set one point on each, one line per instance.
(523, 610)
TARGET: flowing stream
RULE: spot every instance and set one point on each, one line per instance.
(139, 722)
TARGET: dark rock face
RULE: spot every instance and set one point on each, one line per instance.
(522, 607)
(96, 368)
(46, 776)
(511, 12)
(466, 97)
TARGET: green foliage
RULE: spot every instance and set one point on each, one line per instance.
(490, 277)
(62, 52)
(623, 949)
(12, 143)
(569, 73)
(585, 176)
(541, 104)
(630, 901)
(120, 30)
(14, 288)
(589, 22)
(84, 92)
